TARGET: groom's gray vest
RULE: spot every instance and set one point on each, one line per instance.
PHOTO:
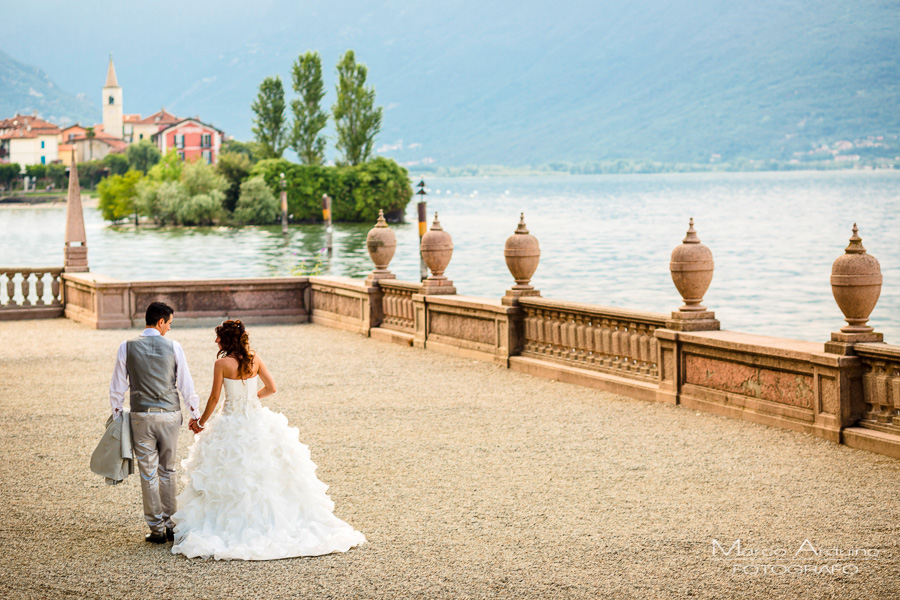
(150, 362)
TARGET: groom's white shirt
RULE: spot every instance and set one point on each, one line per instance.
(183, 381)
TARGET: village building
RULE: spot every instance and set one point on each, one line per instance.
(143, 129)
(193, 140)
(29, 140)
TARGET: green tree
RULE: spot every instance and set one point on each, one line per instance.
(9, 174)
(270, 126)
(200, 209)
(90, 134)
(201, 178)
(118, 195)
(36, 171)
(143, 155)
(358, 192)
(89, 173)
(116, 163)
(309, 120)
(252, 150)
(257, 204)
(356, 118)
(167, 169)
(234, 168)
(56, 172)
(170, 195)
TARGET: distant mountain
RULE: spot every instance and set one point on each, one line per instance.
(25, 89)
(532, 82)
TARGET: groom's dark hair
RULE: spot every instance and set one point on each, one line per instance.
(157, 311)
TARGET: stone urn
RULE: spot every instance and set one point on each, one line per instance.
(523, 253)
(856, 285)
(437, 249)
(692, 270)
(381, 243)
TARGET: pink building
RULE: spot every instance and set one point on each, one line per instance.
(193, 139)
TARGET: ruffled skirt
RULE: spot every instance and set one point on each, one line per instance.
(252, 494)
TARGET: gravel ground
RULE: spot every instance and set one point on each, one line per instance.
(469, 480)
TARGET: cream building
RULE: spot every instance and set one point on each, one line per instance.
(28, 140)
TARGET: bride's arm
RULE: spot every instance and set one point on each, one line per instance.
(218, 377)
(269, 383)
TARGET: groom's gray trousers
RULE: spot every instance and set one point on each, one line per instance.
(154, 436)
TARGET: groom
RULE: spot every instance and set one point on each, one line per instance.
(156, 370)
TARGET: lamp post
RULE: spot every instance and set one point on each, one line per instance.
(284, 207)
(423, 226)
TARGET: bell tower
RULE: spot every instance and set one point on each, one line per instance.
(112, 103)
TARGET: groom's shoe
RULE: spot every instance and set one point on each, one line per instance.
(170, 534)
(156, 538)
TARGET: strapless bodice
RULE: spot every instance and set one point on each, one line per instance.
(241, 395)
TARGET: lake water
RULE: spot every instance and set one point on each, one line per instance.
(604, 240)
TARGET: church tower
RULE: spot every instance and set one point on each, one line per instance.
(112, 104)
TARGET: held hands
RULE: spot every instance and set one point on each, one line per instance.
(195, 426)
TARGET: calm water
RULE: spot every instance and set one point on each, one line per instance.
(604, 240)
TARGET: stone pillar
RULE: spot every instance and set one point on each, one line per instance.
(76, 241)
(381, 243)
(523, 253)
(692, 271)
(437, 249)
(856, 285)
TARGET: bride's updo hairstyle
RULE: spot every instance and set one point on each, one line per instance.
(235, 343)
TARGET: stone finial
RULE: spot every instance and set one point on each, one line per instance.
(856, 284)
(692, 271)
(523, 253)
(437, 249)
(381, 243)
(76, 240)
(691, 237)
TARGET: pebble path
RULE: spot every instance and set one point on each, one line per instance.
(469, 481)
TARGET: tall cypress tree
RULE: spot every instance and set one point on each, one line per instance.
(356, 118)
(270, 125)
(309, 120)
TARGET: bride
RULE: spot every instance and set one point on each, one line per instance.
(251, 490)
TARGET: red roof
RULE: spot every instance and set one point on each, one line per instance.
(26, 126)
(184, 121)
(160, 118)
(135, 118)
(115, 143)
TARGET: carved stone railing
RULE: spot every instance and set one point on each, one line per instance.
(399, 311)
(345, 303)
(30, 293)
(107, 303)
(881, 387)
(597, 338)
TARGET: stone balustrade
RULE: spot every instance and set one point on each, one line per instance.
(107, 303)
(881, 386)
(399, 311)
(846, 390)
(603, 347)
(30, 293)
(593, 337)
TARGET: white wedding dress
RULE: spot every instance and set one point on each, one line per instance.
(251, 489)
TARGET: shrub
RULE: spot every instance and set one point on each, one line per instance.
(257, 204)
(235, 168)
(116, 163)
(118, 195)
(199, 209)
(169, 196)
(357, 192)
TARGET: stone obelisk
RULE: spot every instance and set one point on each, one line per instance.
(76, 240)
